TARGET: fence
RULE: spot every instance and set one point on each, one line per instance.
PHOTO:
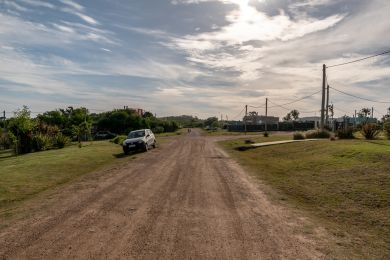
(282, 126)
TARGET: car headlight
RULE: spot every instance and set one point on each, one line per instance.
(140, 141)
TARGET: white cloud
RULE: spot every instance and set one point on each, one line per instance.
(73, 4)
(86, 18)
(16, 31)
(282, 55)
(38, 3)
(14, 5)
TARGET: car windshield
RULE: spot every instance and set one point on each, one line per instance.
(136, 134)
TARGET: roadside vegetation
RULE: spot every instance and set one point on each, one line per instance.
(55, 129)
(344, 185)
(24, 176)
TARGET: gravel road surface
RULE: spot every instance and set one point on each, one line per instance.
(184, 200)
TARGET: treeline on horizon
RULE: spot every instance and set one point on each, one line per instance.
(57, 128)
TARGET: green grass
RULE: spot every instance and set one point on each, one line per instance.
(23, 176)
(178, 132)
(344, 184)
(6, 153)
(219, 132)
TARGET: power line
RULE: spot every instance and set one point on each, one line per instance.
(366, 99)
(341, 110)
(238, 114)
(288, 103)
(349, 62)
(277, 105)
(292, 102)
(256, 106)
(282, 106)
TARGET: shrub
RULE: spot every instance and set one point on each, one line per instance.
(345, 133)
(41, 142)
(266, 134)
(317, 134)
(5, 141)
(298, 136)
(60, 141)
(158, 130)
(118, 139)
(370, 131)
(387, 128)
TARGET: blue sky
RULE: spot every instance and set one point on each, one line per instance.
(199, 57)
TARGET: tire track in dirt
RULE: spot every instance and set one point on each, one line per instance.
(186, 200)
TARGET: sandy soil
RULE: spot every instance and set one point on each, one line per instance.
(185, 200)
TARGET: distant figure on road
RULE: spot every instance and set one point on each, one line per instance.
(189, 130)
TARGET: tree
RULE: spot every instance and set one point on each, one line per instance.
(331, 110)
(21, 127)
(209, 121)
(53, 118)
(82, 130)
(294, 114)
(364, 112)
(287, 117)
(148, 114)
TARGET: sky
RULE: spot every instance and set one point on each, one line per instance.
(195, 57)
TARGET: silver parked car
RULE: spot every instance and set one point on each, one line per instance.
(139, 140)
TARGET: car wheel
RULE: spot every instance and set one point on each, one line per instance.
(154, 144)
(146, 148)
(125, 150)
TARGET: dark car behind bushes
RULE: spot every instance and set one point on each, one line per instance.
(102, 135)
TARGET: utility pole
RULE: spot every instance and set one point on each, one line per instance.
(354, 122)
(266, 114)
(372, 112)
(327, 105)
(246, 112)
(323, 97)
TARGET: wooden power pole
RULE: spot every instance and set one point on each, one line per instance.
(266, 113)
(323, 97)
(327, 106)
(246, 112)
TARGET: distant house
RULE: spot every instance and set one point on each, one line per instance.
(139, 111)
(355, 120)
(315, 119)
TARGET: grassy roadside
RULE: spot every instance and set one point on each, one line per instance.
(344, 185)
(178, 132)
(24, 176)
(224, 132)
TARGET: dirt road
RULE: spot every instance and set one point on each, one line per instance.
(185, 200)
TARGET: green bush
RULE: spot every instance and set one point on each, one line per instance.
(158, 130)
(41, 142)
(387, 128)
(317, 134)
(118, 139)
(370, 131)
(298, 136)
(60, 141)
(345, 133)
(5, 141)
